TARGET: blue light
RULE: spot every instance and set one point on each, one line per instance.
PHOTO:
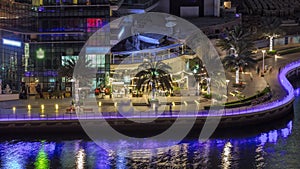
(273, 136)
(11, 42)
(297, 92)
(263, 138)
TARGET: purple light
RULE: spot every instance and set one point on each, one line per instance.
(248, 110)
(285, 132)
(263, 139)
(273, 135)
(41, 9)
(297, 92)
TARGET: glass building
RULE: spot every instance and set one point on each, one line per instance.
(38, 35)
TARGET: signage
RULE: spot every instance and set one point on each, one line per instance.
(40, 53)
(26, 54)
(11, 42)
(97, 50)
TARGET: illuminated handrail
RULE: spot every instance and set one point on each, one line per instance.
(175, 114)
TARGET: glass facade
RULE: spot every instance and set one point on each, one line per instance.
(49, 31)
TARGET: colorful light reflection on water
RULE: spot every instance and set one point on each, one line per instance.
(79, 154)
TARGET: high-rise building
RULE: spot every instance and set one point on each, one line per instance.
(37, 35)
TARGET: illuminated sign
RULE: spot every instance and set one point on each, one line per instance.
(97, 50)
(26, 54)
(40, 53)
(11, 42)
(94, 23)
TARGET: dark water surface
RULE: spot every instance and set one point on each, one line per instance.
(275, 145)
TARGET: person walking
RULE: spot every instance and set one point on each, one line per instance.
(170, 108)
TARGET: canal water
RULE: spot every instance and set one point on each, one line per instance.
(273, 146)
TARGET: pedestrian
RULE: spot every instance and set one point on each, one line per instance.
(257, 70)
(270, 69)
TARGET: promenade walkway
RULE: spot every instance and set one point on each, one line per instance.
(91, 108)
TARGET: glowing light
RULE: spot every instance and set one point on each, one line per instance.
(80, 159)
(263, 139)
(11, 42)
(29, 107)
(40, 53)
(273, 135)
(42, 161)
(14, 109)
(226, 155)
(99, 104)
(42, 107)
(297, 92)
(56, 106)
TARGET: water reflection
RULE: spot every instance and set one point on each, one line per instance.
(80, 154)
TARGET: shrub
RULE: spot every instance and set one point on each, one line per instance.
(272, 52)
(289, 51)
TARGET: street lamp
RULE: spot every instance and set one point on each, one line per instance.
(263, 64)
(227, 83)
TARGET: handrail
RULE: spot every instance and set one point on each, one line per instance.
(175, 114)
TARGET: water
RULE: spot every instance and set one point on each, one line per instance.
(265, 147)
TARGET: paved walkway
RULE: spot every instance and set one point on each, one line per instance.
(185, 103)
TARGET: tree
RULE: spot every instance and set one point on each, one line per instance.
(271, 29)
(233, 39)
(80, 69)
(154, 73)
(239, 62)
(67, 69)
(240, 41)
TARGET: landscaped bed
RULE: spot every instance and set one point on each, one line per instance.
(260, 97)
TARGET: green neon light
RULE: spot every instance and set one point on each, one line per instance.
(40, 53)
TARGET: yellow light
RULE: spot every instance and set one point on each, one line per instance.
(115, 104)
(173, 103)
(14, 109)
(42, 107)
(56, 106)
(42, 113)
(99, 104)
(29, 106)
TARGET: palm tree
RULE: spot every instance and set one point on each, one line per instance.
(154, 73)
(78, 70)
(239, 62)
(271, 29)
(67, 69)
(233, 39)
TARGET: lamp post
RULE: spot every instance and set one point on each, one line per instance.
(227, 83)
(263, 64)
(208, 85)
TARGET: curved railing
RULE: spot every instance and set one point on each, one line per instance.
(228, 112)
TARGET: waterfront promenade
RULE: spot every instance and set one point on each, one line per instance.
(18, 110)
